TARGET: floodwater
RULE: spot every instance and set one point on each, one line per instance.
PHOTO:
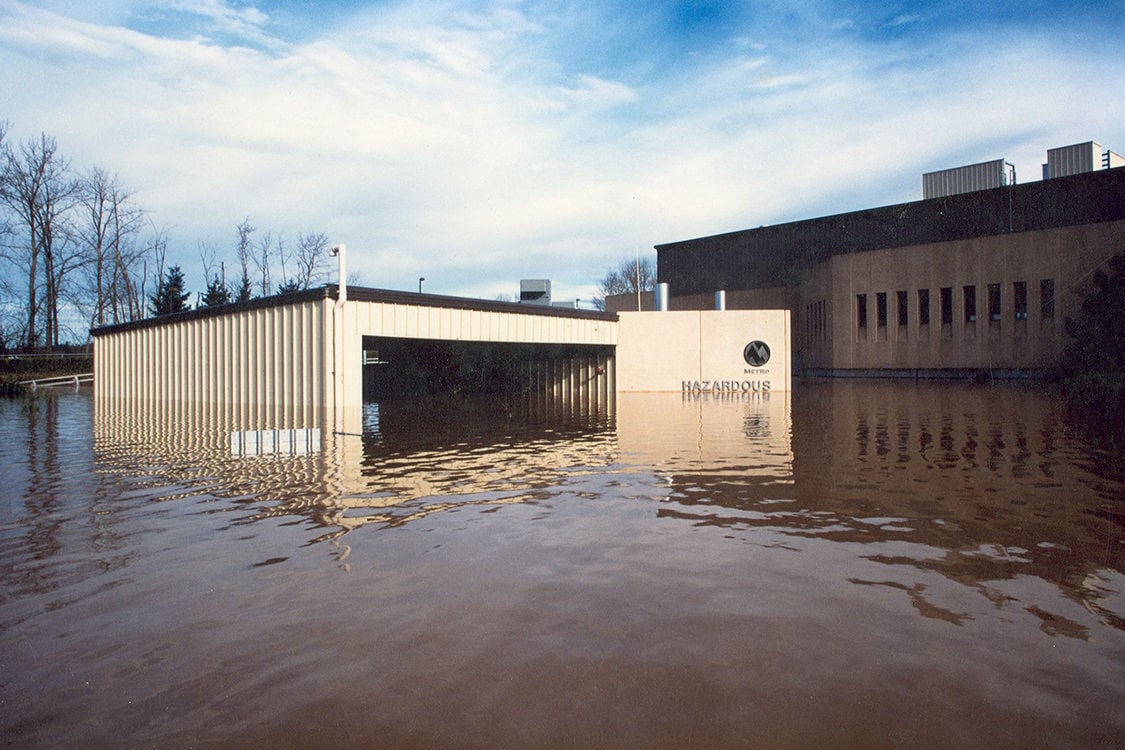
(854, 565)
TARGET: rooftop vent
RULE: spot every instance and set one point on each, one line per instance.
(535, 291)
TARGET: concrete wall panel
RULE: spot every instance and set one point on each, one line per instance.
(1066, 256)
(703, 351)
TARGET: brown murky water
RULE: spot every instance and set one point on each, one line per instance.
(858, 565)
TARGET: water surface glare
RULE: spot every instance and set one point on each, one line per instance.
(855, 565)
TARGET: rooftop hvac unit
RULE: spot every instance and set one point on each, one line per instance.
(983, 176)
(535, 291)
(1074, 159)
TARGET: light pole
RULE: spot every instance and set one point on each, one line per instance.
(420, 280)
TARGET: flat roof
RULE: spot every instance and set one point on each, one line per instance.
(358, 294)
(778, 255)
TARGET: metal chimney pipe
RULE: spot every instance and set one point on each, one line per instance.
(341, 252)
(721, 300)
(662, 297)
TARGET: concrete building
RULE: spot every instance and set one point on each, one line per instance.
(947, 286)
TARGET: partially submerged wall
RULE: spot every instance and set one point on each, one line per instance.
(707, 351)
(259, 364)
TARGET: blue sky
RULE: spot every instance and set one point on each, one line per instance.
(478, 143)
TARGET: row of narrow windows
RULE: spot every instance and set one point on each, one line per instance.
(969, 309)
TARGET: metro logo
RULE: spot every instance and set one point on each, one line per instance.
(756, 353)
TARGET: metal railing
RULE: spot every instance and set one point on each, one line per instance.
(59, 380)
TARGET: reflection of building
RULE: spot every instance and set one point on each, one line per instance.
(741, 437)
(963, 281)
(413, 459)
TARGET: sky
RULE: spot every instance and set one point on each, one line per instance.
(479, 142)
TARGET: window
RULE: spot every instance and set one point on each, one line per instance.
(994, 302)
(902, 311)
(1047, 299)
(970, 303)
(861, 310)
(815, 321)
(881, 309)
(947, 305)
(924, 307)
(1019, 299)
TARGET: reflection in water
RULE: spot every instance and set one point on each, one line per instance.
(57, 513)
(412, 460)
(417, 459)
(982, 480)
(713, 449)
(853, 564)
(285, 442)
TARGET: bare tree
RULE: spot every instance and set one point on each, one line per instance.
(11, 330)
(217, 293)
(262, 261)
(38, 190)
(208, 258)
(126, 255)
(105, 229)
(245, 289)
(21, 200)
(311, 257)
(284, 253)
(630, 276)
(157, 250)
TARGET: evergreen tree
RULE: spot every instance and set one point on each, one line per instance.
(1097, 334)
(170, 296)
(245, 291)
(216, 294)
(293, 285)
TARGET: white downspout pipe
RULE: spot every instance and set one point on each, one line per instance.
(341, 253)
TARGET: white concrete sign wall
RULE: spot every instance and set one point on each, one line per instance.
(704, 351)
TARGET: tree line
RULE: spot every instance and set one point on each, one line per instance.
(302, 264)
(77, 247)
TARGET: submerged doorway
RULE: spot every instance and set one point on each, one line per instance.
(400, 368)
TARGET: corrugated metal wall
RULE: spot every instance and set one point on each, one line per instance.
(573, 386)
(277, 364)
(984, 176)
(1076, 159)
(269, 365)
(459, 324)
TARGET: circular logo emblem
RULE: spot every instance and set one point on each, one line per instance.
(756, 353)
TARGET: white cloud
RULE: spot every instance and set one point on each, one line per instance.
(905, 19)
(450, 144)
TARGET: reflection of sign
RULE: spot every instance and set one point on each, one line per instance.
(275, 442)
(756, 353)
(725, 386)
